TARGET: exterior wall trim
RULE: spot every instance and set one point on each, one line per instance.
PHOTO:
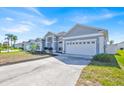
(82, 36)
(97, 45)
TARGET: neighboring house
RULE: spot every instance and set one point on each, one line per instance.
(120, 45)
(19, 45)
(5, 43)
(40, 44)
(26, 45)
(80, 40)
(85, 40)
(112, 48)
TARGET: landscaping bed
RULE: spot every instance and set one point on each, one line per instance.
(17, 57)
(103, 70)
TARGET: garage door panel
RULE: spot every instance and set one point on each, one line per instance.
(82, 49)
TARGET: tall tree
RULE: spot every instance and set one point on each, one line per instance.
(8, 38)
(0, 47)
(11, 39)
(14, 40)
(111, 42)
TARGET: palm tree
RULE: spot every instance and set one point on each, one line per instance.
(11, 39)
(8, 38)
(14, 40)
(0, 47)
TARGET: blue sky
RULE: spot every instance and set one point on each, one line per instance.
(30, 23)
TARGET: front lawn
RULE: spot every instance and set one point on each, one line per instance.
(18, 56)
(120, 58)
(102, 72)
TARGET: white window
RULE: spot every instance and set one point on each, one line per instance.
(93, 42)
(67, 43)
(80, 42)
(88, 42)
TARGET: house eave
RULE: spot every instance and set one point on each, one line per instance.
(83, 36)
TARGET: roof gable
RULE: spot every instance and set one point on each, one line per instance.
(61, 34)
(49, 33)
(82, 30)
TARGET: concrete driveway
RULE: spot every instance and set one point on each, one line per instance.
(53, 71)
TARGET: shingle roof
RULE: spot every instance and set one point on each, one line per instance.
(61, 34)
(82, 30)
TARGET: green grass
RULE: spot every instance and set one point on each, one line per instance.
(120, 52)
(120, 58)
(15, 50)
(11, 53)
(106, 73)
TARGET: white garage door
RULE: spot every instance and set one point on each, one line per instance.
(81, 47)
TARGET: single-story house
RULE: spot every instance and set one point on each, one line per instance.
(112, 48)
(19, 45)
(120, 45)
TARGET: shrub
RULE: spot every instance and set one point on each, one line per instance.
(45, 48)
(103, 57)
(0, 49)
(50, 48)
(33, 47)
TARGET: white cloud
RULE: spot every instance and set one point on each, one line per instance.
(22, 21)
(33, 15)
(111, 15)
(108, 15)
(34, 10)
(20, 40)
(116, 36)
(9, 19)
(48, 22)
(121, 22)
(27, 23)
(89, 18)
(2, 39)
(18, 28)
(42, 18)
